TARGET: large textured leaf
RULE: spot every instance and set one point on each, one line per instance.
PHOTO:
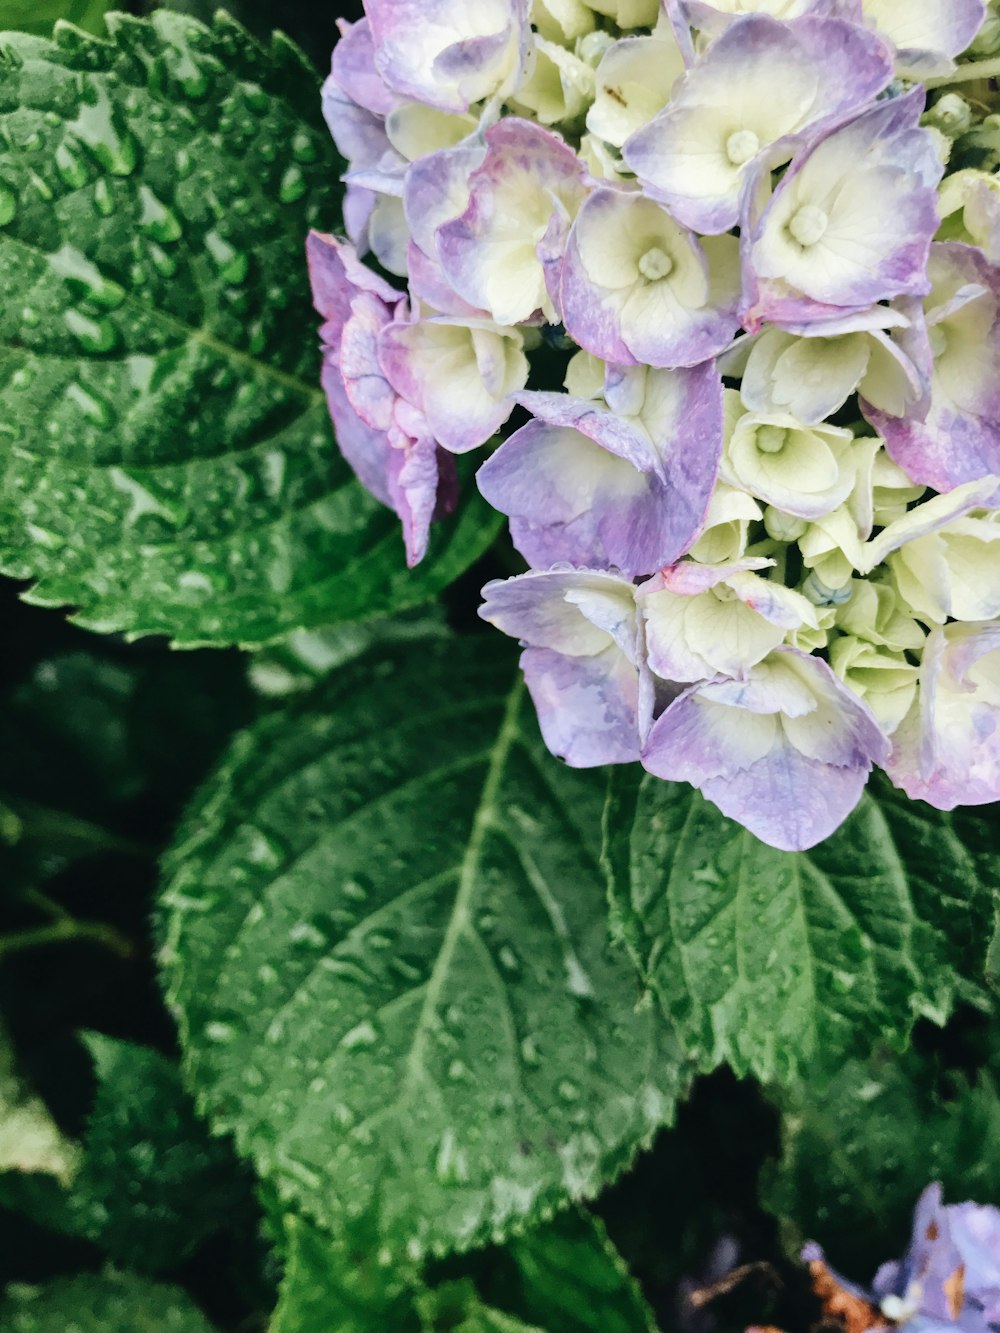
(857, 1151)
(762, 958)
(386, 943)
(166, 459)
(90, 1304)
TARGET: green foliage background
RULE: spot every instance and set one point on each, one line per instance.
(330, 1000)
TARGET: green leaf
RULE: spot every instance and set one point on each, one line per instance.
(332, 1283)
(571, 1276)
(167, 463)
(31, 1143)
(387, 947)
(457, 1308)
(100, 1304)
(39, 16)
(150, 1184)
(857, 1150)
(763, 958)
(153, 1184)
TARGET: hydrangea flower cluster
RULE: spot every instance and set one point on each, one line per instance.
(947, 1282)
(760, 498)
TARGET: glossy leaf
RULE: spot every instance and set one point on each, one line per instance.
(386, 940)
(167, 463)
(764, 958)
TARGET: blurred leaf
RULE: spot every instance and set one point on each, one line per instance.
(332, 1284)
(151, 1183)
(39, 16)
(30, 1141)
(457, 1308)
(571, 1276)
(859, 1147)
(111, 1303)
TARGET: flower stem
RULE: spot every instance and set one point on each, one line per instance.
(974, 69)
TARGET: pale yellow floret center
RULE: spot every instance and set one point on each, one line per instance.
(655, 264)
(808, 225)
(771, 439)
(741, 146)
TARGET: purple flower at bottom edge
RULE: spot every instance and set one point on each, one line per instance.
(949, 1279)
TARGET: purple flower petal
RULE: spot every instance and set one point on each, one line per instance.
(786, 752)
(528, 180)
(759, 90)
(850, 223)
(928, 34)
(461, 373)
(638, 289)
(385, 440)
(958, 439)
(583, 484)
(447, 53)
(583, 662)
(947, 749)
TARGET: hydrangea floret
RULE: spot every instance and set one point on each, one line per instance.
(947, 1282)
(727, 268)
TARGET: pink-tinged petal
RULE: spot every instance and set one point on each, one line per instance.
(368, 451)
(790, 773)
(368, 390)
(576, 612)
(428, 285)
(958, 439)
(928, 34)
(583, 661)
(353, 70)
(448, 53)
(762, 88)
(637, 289)
(587, 706)
(947, 749)
(850, 223)
(337, 274)
(384, 439)
(416, 484)
(436, 190)
(713, 18)
(580, 483)
(461, 373)
(490, 255)
(359, 135)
